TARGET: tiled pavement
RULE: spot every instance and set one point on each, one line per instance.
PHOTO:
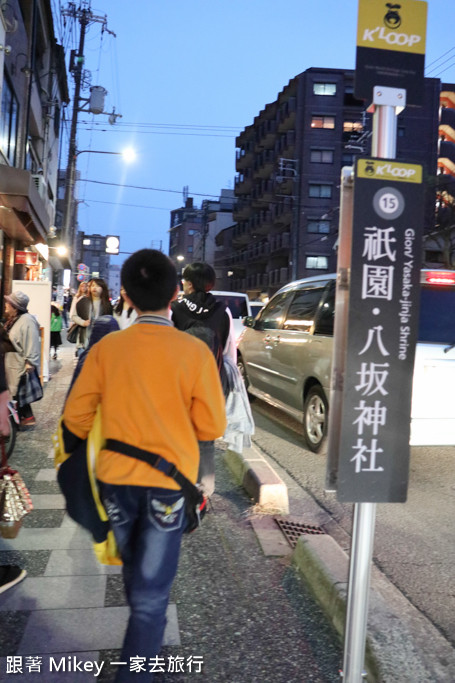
(248, 617)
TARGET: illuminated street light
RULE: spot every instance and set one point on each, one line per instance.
(68, 218)
(128, 154)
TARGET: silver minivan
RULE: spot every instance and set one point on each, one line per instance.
(285, 356)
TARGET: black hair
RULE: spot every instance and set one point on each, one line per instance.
(150, 279)
(201, 275)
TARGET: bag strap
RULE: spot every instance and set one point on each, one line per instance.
(158, 462)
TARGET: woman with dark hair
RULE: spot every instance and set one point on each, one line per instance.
(124, 314)
(91, 307)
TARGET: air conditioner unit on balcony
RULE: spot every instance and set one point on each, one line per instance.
(40, 185)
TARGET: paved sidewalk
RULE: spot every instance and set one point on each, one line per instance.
(244, 616)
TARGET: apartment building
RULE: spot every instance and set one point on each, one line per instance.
(288, 164)
(193, 231)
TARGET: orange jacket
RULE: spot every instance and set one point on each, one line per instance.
(159, 389)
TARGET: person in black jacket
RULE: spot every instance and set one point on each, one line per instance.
(196, 310)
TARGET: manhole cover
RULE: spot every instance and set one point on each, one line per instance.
(292, 530)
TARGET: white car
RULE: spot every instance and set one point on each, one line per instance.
(239, 305)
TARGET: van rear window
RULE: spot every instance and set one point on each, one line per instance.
(437, 315)
(236, 304)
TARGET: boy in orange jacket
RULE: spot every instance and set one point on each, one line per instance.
(159, 390)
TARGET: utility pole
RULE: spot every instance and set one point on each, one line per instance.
(68, 227)
(85, 17)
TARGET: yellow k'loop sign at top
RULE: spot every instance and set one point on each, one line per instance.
(391, 40)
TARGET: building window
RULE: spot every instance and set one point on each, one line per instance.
(9, 122)
(190, 233)
(320, 190)
(352, 127)
(323, 122)
(324, 89)
(347, 159)
(401, 131)
(317, 262)
(321, 156)
(190, 249)
(322, 227)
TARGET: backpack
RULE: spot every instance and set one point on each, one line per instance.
(207, 335)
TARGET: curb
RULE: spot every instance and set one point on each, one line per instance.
(402, 644)
(259, 479)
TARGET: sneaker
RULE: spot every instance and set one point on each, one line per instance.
(10, 574)
(28, 421)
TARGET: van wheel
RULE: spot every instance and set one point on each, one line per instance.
(242, 370)
(315, 414)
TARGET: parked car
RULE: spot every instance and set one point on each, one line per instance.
(285, 356)
(239, 305)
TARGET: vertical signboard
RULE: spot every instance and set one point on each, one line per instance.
(382, 331)
(391, 48)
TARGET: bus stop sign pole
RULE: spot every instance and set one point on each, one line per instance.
(386, 102)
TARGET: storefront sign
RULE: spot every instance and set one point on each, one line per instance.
(382, 331)
(28, 258)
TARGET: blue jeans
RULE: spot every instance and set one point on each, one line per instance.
(148, 524)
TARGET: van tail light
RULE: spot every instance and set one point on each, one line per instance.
(436, 277)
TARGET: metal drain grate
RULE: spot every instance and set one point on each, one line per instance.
(292, 530)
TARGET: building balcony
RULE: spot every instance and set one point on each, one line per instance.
(244, 158)
(446, 157)
(446, 186)
(279, 277)
(241, 233)
(259, 251)
(285, 145)
(287, 115)
(263, 192)
(447, 99)
(280, 242)
(243, 209)
(264, 163)
(447, 124)
(243, 184)
(266, 134)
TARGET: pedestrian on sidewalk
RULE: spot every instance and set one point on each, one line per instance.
(10, 574)
(160, 392)
(81, 292)
(90, 307)
(23, 332)
(198, 312)
(56, 328)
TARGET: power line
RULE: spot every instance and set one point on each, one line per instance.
(139, 187)
(156, 132)
(137, 206)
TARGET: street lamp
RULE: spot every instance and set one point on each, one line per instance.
(128, 155)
